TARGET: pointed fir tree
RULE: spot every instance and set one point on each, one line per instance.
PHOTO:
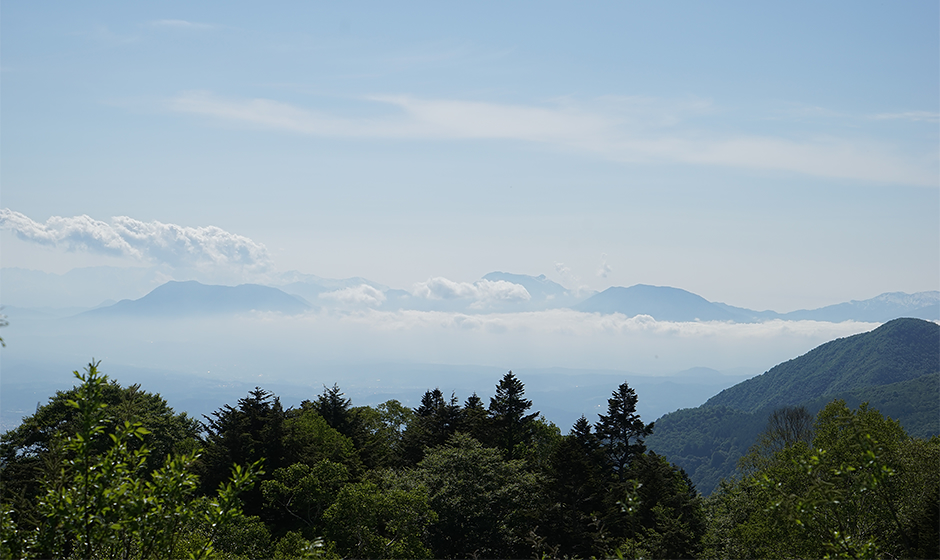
(621, 430)
(511, 425)
(334, 409)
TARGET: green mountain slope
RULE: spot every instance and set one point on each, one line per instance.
(899, 350)
(914, 403)
(895, 368)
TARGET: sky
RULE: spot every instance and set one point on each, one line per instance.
(767, 155)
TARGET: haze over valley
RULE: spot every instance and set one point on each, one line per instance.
(199, 344)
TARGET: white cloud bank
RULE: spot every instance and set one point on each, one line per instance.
(484, 292)
(174, 245)
(625, 129)
(552, 338)
(363, 294)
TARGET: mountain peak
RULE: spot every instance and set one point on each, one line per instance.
(188, 298)
(663, 303)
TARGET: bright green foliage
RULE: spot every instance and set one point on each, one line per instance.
(863, 488)
(366, 521)
(103, 504)
(30, 453)
(850, 497)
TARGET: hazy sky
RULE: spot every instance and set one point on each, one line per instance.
(768, 155)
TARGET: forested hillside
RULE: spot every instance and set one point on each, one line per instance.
(895, 368)
(109, 471)
(899, 350)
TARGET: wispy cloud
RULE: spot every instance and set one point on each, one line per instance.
(604, 269)
(180, 24)
(177, 246)
(624, 129)
(916, 116)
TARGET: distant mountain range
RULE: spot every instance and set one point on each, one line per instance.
(673, 304)
(895, 368)
(178, 299)
(87, 288)
(660, 302)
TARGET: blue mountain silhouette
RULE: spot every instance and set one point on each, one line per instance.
(192, 298)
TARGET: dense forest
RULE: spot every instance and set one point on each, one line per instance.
(105, 471)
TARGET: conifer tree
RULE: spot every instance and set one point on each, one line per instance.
(511, 425)
(334, 409)
(622, 431)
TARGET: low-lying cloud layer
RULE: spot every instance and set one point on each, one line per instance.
(552, 338)
(155, 242)
(288, 346)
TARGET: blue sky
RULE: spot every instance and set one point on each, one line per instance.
(776, 156)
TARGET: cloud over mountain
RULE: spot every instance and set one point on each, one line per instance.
(171, 244)
(483, 291)
(362, 294)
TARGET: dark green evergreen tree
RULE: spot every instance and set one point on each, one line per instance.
(666, 518)
(574, 497)
(252, 432)
(622, 431)
(511, 425)
(434, 422)
(475, 420)
(334, 409)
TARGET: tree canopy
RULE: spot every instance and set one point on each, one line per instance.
(110, 471)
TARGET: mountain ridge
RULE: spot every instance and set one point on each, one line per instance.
(899, 350)
(194, 298)
(88, 287)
